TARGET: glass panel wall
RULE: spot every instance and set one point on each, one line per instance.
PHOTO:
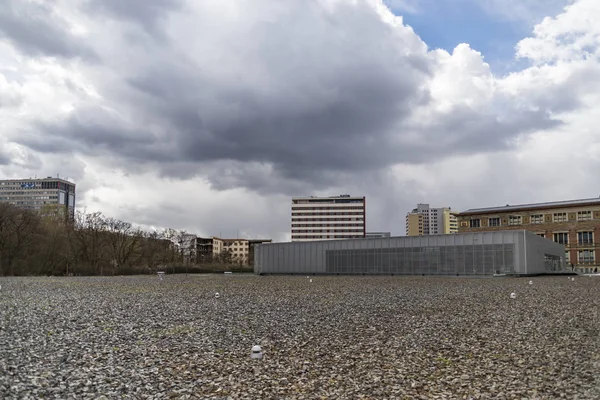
(433, 260)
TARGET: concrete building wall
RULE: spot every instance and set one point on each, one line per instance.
(415, 224)
(450, 222)
(484, 253)
(217, 246)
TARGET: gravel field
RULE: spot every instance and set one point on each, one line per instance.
(335, 338)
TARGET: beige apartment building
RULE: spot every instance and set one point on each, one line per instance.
(424, 220)
(40, 194)
(328, 218)
(574, 224)
(241, 250)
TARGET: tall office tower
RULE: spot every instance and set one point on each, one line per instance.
(430, 221)
(328, 218)
(51, 194)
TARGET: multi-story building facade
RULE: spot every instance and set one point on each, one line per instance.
(574, 224)
(424, 220)
(328, 218)
(239, 250)
(415, 224)
(45, 194)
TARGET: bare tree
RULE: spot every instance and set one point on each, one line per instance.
(177, 239)
(226, 257)
(155, 250)
(19, 229)
(52, 251)
(124, 242)
(89, 240)
(49, 242)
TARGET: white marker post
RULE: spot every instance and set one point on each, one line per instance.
(256, 353)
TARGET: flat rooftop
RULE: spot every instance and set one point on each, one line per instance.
(313, 335)
(532, 206)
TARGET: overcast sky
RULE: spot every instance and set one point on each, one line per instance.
(209, 116)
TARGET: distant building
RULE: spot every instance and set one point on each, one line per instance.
(41, 195)
(327, 218)
(208, 250)
(378, 234)
(475, 254)
(423, 221)
(574, 224)
(237, 248)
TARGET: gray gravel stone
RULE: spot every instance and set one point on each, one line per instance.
(337, 337)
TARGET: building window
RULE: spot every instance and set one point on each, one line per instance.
(494, 222)
(567, 256)
(584, 215)
(561, 238)
(475, 223)
(541, 234)
(514, 220)
(537, 219)
(585, 256)
(559, 217)
(585, 237)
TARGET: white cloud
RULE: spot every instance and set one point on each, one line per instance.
(574, 35)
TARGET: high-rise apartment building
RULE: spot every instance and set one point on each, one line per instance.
(424, 220)
(328, 218)
(52, 194)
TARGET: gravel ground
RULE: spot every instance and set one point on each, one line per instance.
(334, 338)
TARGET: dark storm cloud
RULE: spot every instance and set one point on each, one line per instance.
(35, 30)
(310, 93)
(329, 100)
(149, 14)
(340, 133)
(469, 131)
(91, 130)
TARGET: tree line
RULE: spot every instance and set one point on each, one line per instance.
(47, 243)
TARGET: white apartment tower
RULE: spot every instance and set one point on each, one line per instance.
(328, 218)
(424, 220)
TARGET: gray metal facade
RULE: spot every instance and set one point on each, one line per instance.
(476, 253)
